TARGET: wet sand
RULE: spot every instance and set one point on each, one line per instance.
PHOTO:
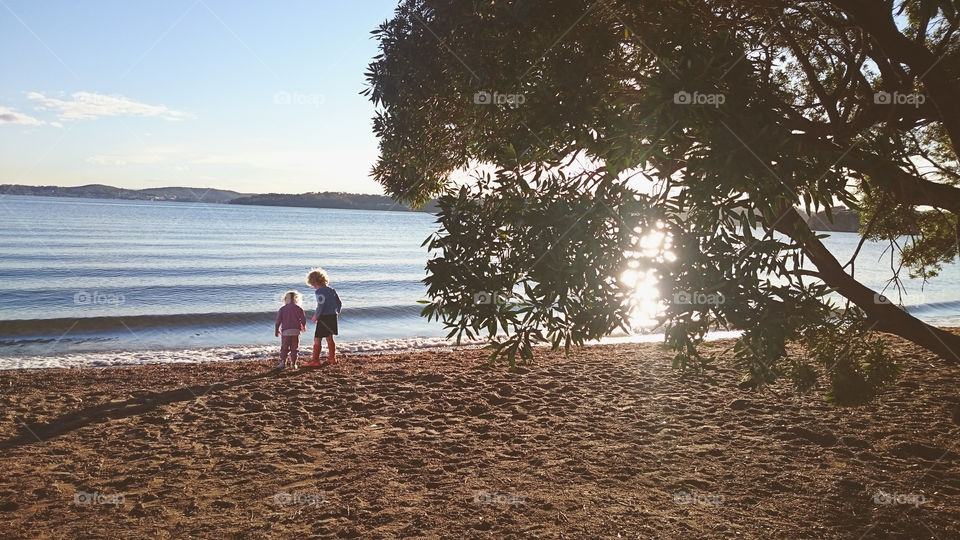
(607, 442)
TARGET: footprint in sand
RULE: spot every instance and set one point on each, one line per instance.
(922, 451)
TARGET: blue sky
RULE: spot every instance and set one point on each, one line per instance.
(250, 96)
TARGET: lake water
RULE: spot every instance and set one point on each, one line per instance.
(82, 275)
(101, 274)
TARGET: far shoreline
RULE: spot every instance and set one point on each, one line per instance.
(840, 220)
(318, 200)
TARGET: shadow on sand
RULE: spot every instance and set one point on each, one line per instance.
(43, 431)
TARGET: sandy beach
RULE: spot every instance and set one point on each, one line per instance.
(608, 442)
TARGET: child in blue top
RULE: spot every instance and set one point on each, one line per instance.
(328, 308)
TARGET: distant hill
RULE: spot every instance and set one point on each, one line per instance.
(100, 191)
(349, 201)
(844, 220)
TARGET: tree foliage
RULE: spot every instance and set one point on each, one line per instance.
(710, 123)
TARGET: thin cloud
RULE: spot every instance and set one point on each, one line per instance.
(11, 116)
(90, 105)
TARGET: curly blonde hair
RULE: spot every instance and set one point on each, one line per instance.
(317, 277)
(292, 296)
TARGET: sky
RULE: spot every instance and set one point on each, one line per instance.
(252, 96)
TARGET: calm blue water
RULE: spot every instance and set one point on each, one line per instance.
(91, 274)
(100, 274)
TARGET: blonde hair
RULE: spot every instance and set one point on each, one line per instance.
(317, 276)
(291, 296)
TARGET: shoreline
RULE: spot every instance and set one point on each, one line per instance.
(252, 353)
(608, 441)
(215, 354)
(246, 353)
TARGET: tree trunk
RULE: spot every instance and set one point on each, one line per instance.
(884, 316)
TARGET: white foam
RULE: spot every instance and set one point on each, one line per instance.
(264, 352)
(217, 354)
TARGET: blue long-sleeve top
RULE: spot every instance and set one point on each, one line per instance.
(328, 301)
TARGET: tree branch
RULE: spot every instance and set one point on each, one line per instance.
(883, 316)
(940, 84)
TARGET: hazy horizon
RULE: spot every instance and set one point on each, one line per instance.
(200, 187)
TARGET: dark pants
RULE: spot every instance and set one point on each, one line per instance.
(291, 344)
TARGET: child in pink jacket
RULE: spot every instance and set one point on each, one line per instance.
(291, 320)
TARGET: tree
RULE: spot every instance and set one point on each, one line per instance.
(708, 124)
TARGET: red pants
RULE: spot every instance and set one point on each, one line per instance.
(291, 344)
